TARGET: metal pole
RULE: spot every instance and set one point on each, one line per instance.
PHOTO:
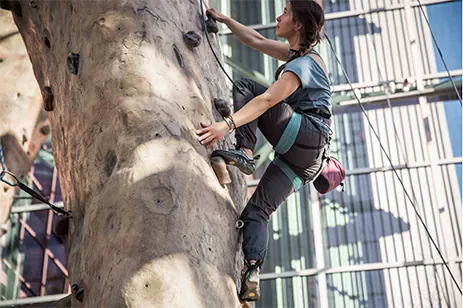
(32, 300)
(319, 249)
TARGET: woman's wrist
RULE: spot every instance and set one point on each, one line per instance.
(232, 121)
(227, 20)
(229, 123)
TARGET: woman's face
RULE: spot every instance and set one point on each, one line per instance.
(286, 27)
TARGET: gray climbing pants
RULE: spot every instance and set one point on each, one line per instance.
(304, 158)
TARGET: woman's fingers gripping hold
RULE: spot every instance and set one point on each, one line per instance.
(205, 129)
(205, 138)
(216, 15)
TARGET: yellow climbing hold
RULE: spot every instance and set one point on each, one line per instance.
(232, 163)
(252, 294)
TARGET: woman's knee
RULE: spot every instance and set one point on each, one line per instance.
(254, 212)
(242, 87)
(242, 82)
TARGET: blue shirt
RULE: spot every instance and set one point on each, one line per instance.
(314, 92)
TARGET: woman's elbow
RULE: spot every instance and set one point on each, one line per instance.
(268, 101)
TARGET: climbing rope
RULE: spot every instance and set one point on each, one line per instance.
(391, 164)
(58, 211)
(440, 52)
(396, 134)
(210, 45)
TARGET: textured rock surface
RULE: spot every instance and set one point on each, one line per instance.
(21, 113)
(152, 227)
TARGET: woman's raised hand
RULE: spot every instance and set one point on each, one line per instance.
(216, 15)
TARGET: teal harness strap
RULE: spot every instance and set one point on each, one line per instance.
(285, 143)
(289, 136)
(293, 177)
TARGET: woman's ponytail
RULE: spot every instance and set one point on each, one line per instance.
(296, 54)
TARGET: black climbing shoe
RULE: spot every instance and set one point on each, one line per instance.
(237, 158)
(250, 290)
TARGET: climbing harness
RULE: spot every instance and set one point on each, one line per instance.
(239, 224)
(331, 173)
(58, 211)
(296, 180)
(289, 135)
(394, 170)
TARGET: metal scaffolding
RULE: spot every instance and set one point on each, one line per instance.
(33, 257)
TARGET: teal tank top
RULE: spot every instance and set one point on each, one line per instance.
(315, 89)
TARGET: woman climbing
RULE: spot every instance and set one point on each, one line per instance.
(293, 114)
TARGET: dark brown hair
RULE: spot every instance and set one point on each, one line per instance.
(312, 18)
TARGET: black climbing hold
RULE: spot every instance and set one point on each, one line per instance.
(61, 226)
(13, 6)
(211, 26)
(6, 5)
(45, 129)
(223, 107)
(78, 292)
(47, 42)
(47, 95)
(33, 4)
(192, 39)
(73, 63)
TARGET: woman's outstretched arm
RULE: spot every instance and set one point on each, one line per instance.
(252, 38)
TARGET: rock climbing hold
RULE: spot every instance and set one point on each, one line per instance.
(192, 39)
(61, 226)
(45, 129)
(78, 292)
(211, 26)
(46, 42)
(13, 6)
(5, 4)
(47, 95)
(73, 63)
(220, 169)
(32, 4)
(223, 107)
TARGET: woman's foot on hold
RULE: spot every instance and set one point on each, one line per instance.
(237, 158)
(250, 289)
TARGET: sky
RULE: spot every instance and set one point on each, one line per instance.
(445, 21)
